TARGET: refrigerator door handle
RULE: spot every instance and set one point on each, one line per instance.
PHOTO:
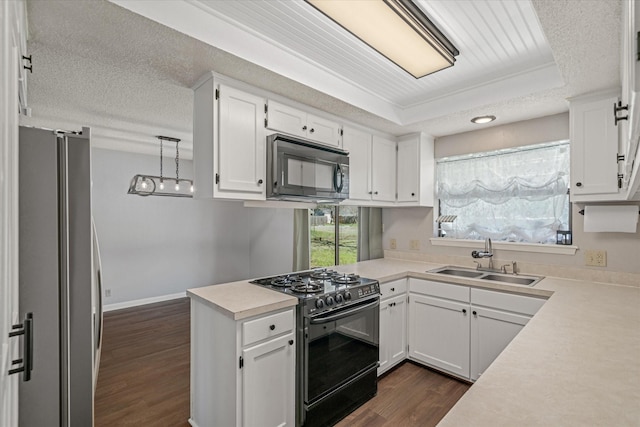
(27, 348)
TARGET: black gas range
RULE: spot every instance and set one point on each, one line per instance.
(322, 290)
(337, 327)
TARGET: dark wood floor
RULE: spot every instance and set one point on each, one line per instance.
(409, 395)
(144, 369)
(144, 377)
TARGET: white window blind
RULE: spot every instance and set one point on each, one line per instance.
(517, 195)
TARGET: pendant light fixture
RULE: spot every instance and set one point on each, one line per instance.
(397, 29)
(148, 185)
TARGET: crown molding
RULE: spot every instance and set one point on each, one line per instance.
(113, 134)
(201, 22)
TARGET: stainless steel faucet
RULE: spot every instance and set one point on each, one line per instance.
(487, 253)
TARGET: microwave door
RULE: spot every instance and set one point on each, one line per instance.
(305, 176)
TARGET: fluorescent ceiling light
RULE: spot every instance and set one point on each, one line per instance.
(397, 29)
(480, 120)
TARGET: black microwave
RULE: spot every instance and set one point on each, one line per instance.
(299, 169)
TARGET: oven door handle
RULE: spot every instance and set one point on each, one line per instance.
(342, 314)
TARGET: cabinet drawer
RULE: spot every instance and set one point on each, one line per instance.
(393, 288)
(508, 302)
(267, 326)
(441, 290)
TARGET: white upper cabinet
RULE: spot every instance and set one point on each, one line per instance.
(372, 166)
(358, 144)
(383, 169)
(228, 142)
(630, 79)
(324, 130)
(283, 118)
(594, 148)
(416, 170)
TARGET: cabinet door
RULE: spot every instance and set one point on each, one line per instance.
(393, 332)
(241, 142)
(397, 342)
(408, 170)
(383, 169)
(385, 335)
(268, 384)
(283, 118)
(594, 147)
(358, 144)
(491, 332)
(323, 130)
(439, 333)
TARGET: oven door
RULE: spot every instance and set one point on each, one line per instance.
(340, 346)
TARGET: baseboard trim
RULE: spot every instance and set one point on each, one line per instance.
(135, 303)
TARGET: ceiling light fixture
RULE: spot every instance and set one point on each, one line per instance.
(480, 120)
(148, 185)
(397, 29)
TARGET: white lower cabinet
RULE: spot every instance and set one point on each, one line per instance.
(242, 372)
(268, 396)
(496, 318)
(439, 326)
(461, 330)
(491, 332)
(393, 332)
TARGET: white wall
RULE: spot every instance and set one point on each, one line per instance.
(405, 224)
(156, 246)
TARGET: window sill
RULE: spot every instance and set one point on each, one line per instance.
(507, 246)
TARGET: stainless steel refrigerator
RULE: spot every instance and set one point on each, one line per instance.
(59, 279)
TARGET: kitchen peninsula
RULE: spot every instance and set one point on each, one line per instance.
(575, 362)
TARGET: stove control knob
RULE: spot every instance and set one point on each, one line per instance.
(339, 298)
(319, 303)
(347, 295)
(330, 301)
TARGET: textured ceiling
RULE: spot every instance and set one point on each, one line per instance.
(98, 58)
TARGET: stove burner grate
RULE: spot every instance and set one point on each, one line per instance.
(323, 273)
(287, 281)
(346, 279)
(307, 288)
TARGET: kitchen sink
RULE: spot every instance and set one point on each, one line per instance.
(514, 280)
(459, 272)
(489, 276)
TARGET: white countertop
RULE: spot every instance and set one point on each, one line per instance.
(242, 299)
(576, 363)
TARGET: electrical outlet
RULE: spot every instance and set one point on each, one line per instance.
(107, 293)
(415, 245)
(393, 244)
(595, 258)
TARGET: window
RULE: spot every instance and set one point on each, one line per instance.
(334, 235)
(516, 195)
